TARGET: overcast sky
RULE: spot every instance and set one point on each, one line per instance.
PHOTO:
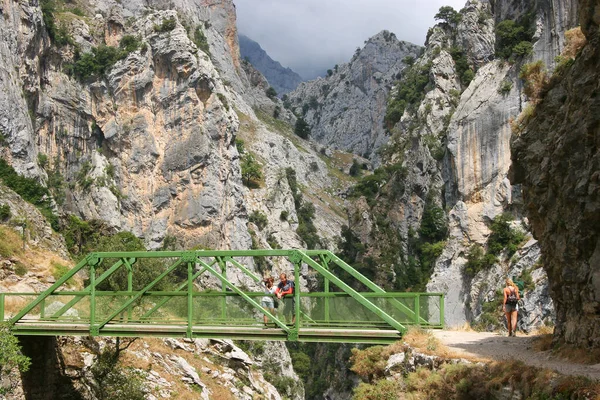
(311, 36)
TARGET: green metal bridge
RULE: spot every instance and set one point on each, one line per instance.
(160, 293)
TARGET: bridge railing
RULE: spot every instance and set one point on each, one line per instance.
(141, 303)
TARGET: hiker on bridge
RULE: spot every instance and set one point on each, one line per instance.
(285, 291)
(268, 301)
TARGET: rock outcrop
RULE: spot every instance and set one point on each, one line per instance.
(345, 110)
(450, 151)
(167, 368)
(283, 80)
(478, 154)
(556, 160)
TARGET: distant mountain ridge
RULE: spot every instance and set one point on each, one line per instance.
(282, 79)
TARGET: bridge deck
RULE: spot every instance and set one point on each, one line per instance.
(31, 327)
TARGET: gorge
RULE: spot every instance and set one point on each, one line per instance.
(445, 168)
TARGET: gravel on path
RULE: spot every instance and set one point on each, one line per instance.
(493, 346)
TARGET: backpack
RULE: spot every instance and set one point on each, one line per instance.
(512, 297)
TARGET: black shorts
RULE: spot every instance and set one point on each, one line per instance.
(511, 307)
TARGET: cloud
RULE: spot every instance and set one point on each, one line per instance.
(311, 36)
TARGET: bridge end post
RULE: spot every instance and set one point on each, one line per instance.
(417, 308)
(190, 298)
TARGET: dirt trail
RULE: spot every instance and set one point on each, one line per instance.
(492, 346)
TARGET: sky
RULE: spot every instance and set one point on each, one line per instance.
(311, 36)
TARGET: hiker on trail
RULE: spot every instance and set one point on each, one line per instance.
(268, 301)
(285, 291)
(510, 307)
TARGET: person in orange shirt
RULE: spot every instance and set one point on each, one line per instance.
(285, 291)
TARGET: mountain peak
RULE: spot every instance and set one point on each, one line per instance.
(282, 79)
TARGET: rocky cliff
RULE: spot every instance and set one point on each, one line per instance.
(556, 160)
(477, 159)
(129, 113)
(345, 110)
(283, 80)
(443, 194)
(147, 144)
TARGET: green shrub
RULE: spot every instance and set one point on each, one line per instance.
(505, 87)
(464, 71)
(58, 270)
(467, 76)
(223, 100)
(11, 355)
(251, 171)
(284, 215)
(130, 43)
(434, 224)
(491, 317)
(42, 160)
(145, 273)
(200, 40)
(503, 236)
(448, 14)
(302, 363)
(305, 212)
(515, 36)
(30, 190)
(80, 236)
(167, 25)
(411, 91)
(478, 260)
(523, 49)
(97, 62)
(350, 246)
(271, 93)
(355, 168)
(115, 381)
(259, 219)
(58, 34)
(78, 11)
(408, 61)
(368, 363)
(527, 280)
(381, 389)
(535, 77)
(4, 212)
(82, 178)
(370, 185)
(302, 128)
(272, 241)
(240, 145)
(306, 228)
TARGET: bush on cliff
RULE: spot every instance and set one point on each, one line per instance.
(514, 38)
(30, 190)
(10, 352)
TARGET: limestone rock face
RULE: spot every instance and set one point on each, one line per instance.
(345, 110)
(283, 80)
(23, 40)
(556, 160)
(478, 155)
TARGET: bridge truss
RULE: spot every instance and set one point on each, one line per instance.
(161, 294)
